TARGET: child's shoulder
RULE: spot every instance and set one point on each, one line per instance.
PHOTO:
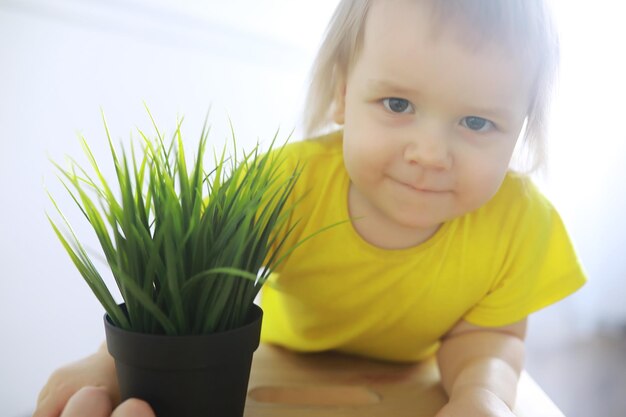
(521, 189)
(321, 147)
(518, 196)
(315, 159)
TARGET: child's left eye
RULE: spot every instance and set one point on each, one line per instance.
(477, 124)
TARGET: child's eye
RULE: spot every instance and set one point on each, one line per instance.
(397, 105)
(477, 124)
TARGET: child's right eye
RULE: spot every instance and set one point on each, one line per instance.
(397, 105)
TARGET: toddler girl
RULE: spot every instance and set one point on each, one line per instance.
(416, 107)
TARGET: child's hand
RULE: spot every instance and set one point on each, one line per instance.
(95, 402)
(97, 370)
(475, 402)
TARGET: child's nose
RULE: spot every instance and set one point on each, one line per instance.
(428, 149)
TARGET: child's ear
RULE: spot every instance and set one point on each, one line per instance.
(339, 109)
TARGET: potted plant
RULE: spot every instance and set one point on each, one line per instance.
(188, 250)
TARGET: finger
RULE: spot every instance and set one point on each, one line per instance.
(133, 408)
(89, 401)
(46, 404)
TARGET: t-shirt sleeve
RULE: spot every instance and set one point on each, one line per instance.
(287, 170)
(539, 265)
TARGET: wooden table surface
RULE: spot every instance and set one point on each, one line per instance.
(288, 384)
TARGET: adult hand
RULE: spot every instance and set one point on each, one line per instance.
(96, 370)
(96, 402)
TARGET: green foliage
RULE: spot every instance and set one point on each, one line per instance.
(189, 250)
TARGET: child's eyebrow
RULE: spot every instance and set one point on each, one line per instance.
(497, 113)
(390, 87)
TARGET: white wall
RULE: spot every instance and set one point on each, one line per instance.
(60, 62)
(587, 175)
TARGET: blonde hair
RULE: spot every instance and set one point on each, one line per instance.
(523, 27)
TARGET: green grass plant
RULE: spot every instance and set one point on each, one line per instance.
(189, 250)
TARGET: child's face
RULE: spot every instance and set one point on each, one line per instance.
(429, 124)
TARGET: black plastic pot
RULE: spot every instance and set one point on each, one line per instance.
(186, 376)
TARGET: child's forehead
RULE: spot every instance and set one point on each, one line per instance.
(477, 25)
(401, 50)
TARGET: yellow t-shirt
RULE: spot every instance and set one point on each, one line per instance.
(491, 267)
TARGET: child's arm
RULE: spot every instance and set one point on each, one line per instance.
(480, 368)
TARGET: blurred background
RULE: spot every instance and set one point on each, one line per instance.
(63, 62)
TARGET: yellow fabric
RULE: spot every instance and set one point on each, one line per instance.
(491, 267)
